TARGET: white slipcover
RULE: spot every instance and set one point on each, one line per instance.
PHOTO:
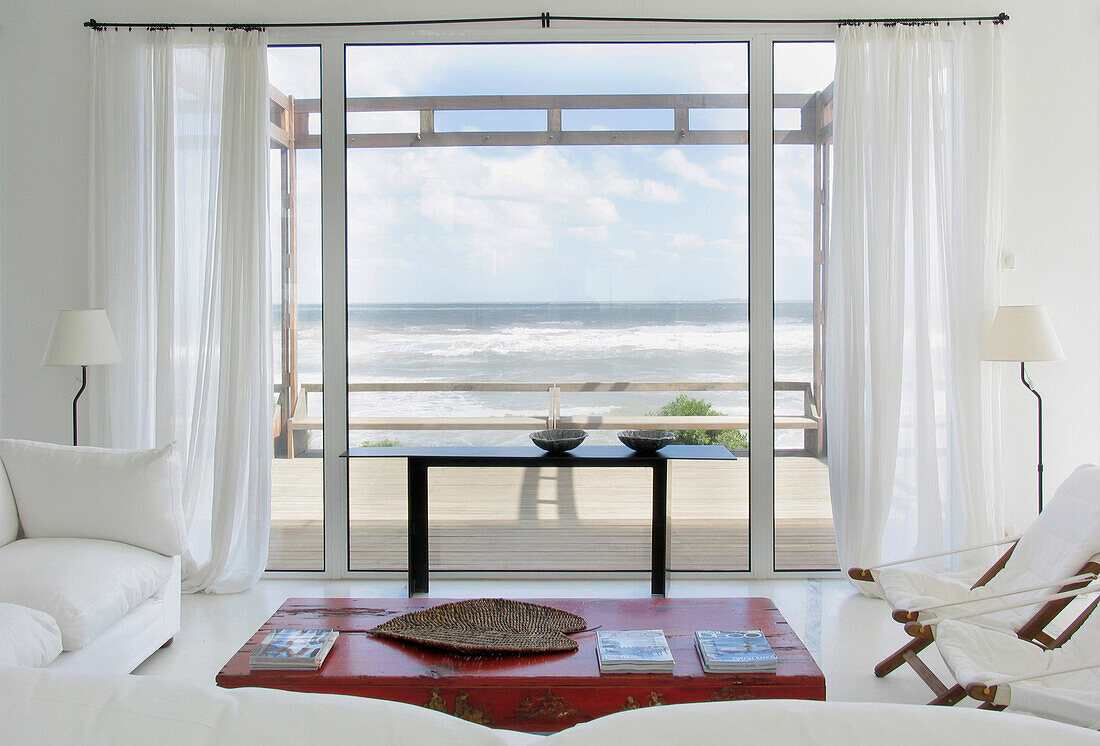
(85, 584)
(44, 707)
(97, 493)
(803, 722)
(977, 655)
(27, 637)
(1056, 546)
(47, 707)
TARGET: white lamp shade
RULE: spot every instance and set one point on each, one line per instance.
(1022, 334)
(82, 337)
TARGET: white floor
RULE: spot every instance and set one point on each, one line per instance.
(846, 632)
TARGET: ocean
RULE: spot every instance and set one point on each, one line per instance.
(549, 342)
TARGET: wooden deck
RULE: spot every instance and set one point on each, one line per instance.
(551, 519)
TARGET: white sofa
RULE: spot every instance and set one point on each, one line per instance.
(90, 545)
(51, 707)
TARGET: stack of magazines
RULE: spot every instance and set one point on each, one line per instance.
(633, 651)
(303, 649)
(747, 650)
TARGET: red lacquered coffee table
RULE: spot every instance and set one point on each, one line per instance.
(536, 693)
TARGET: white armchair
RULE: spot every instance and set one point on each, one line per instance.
(90, 545)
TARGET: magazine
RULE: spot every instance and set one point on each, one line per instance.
(633, 651)
(744, 650)
(293, 649)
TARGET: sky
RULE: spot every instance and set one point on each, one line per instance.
(568, 223)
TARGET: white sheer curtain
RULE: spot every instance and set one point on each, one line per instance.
(912, 286)
(179, 259)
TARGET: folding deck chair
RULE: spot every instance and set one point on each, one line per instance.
(1002, 671)
(1021, 593)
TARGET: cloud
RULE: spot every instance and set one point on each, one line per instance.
(655, 191)
(724, 70)
(676, 162)
(738, 165)
(596, 233)
(613, 183)
(392, 71)
(600, 210)
(644, 190)
(682, 240)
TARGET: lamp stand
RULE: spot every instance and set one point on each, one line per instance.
(1027, 382)
(84, 385)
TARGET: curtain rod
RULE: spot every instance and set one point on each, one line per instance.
(544, 19)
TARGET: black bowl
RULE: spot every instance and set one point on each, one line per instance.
(558, 440)
(646, 441)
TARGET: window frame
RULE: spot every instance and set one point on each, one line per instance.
(761, 39)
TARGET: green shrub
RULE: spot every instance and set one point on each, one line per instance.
(384, 443)
(686, 406)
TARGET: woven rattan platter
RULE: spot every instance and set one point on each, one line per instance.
(486, 625)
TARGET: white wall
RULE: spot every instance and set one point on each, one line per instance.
(1053, 185)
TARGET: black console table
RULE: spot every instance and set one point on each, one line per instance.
(422, 459)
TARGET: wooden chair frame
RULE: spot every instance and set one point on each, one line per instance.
(1033, 630)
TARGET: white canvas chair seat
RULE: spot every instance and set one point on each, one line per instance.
(985, 658)
(1056, 546)
(913, 588)
(1064, 705)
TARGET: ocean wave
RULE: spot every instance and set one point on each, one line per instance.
(553, 342)
(650, 352)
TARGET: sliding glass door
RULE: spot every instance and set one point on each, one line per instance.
(543, 234)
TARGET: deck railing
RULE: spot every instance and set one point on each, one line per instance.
(301, 421)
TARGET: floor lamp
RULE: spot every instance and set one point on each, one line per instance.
(83, 338)
(1024, 334)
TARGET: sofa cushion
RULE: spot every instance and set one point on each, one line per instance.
(28, 637)
(97, 493)
(85, 584)
(763, 722)
(9, 516)
(50, 707)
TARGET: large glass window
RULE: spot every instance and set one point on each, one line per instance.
(294, 194)
(803, 124)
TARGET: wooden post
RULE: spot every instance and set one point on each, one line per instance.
(553, 124)
(288, 271)
(820, 249)
(681, 123)
(811, 438)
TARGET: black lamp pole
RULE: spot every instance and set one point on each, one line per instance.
(1026, 382)
(84, 385)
